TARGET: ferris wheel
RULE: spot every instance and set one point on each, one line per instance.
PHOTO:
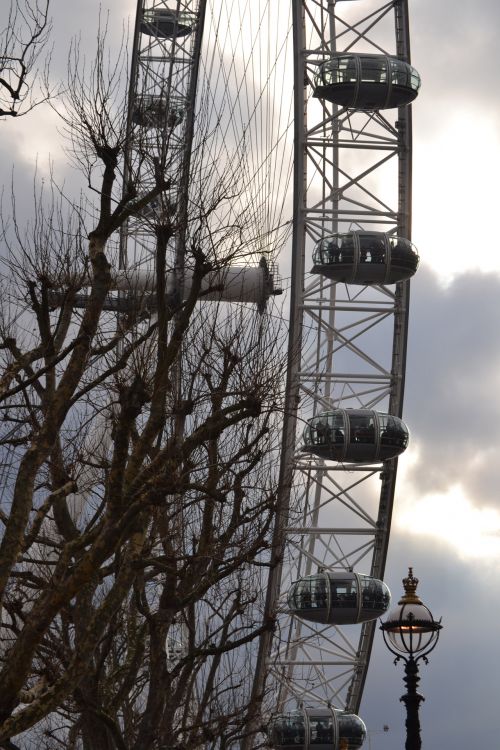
(352, 259)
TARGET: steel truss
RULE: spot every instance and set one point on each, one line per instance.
(160, 125)
(347, 348)
(164, 70)
(161, 146)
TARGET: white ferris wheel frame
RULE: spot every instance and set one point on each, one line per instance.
(347, 348)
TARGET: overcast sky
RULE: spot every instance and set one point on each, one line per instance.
(447, 516)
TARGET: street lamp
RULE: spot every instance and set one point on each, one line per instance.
(411, 633)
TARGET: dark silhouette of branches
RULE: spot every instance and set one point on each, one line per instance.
(21, 42)
(138, 459)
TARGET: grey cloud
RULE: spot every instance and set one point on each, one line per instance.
(452, 378)
(453, 46)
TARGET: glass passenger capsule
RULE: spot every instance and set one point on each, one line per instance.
(355, 435)
(364, 81)
(152, 111)
(164, 23)
(365, 258)
(316, 729)
(338, 598)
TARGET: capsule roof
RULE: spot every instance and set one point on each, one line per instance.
(316, 729)
(355, 436)
(365, 258)
(338, 598)
(365, 81)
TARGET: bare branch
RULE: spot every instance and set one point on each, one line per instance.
(21, 42)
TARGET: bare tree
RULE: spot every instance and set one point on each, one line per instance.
(21, 42)
(138, 454)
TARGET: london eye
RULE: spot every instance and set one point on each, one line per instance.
(349, 120)
(352, 261)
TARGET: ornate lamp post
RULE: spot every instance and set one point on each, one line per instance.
(411, 633)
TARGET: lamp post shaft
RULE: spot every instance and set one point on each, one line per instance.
(412, 700)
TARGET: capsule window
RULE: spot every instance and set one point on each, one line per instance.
(350, 73)
(318, 592)
(310, 593)
(371, 248)
(326, 429)
(346, 248)
(327, 251)
(399, 73)
(288, 731)
(400, 244)
(320, 432)
(339, 70)
(375, 596)
(347, 70)
(321, 729)
(415, 80)
(362, 428)
(392, 431)
(373, 70)
(338, 249)
(344, 594)
(329, 73)
(352, 731)
(403, 254)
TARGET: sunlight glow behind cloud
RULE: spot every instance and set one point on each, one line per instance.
(451, 517)
(455, 183)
